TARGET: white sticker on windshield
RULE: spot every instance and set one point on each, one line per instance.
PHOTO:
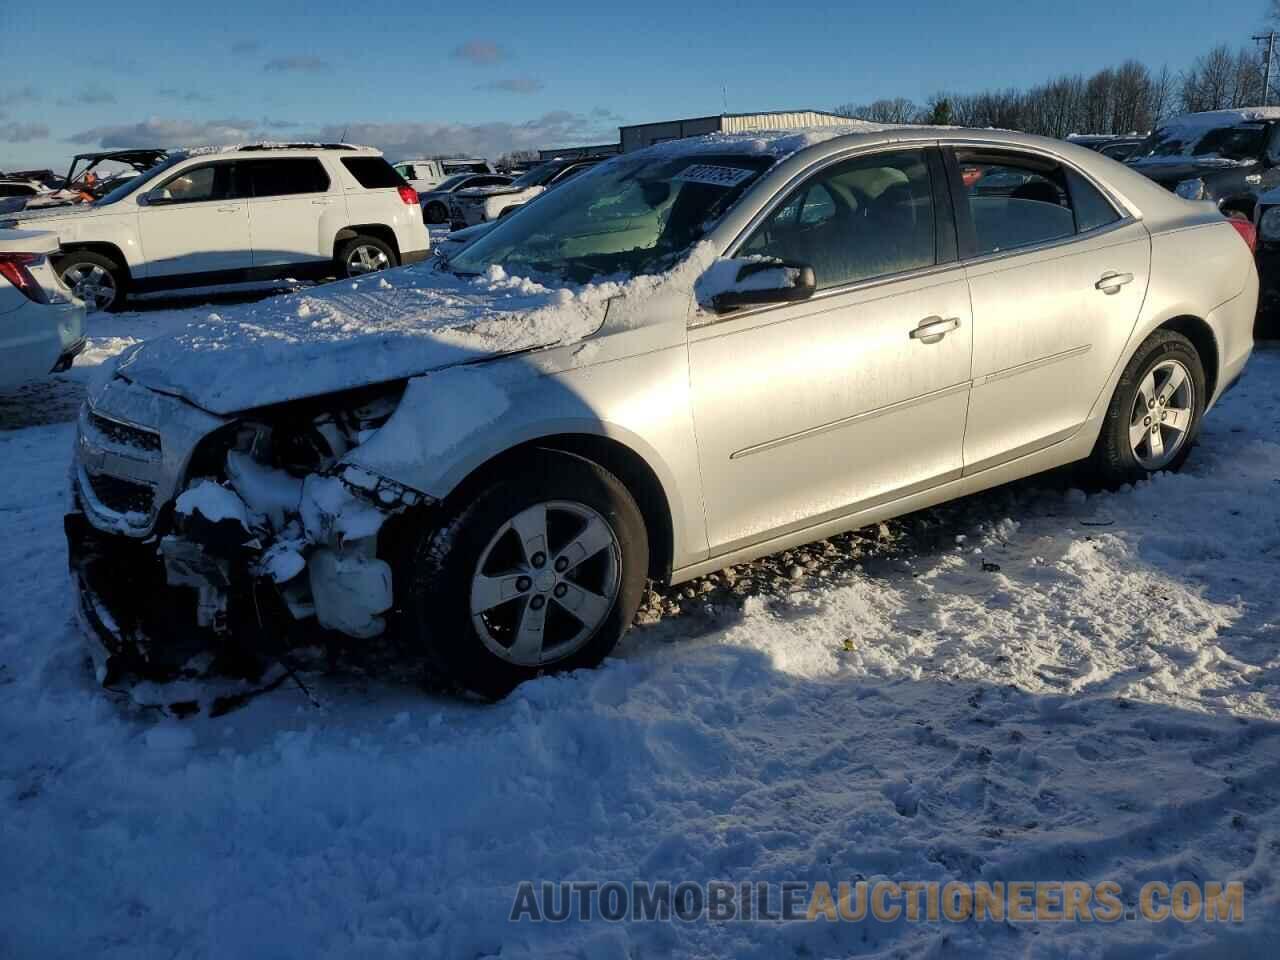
(713, 175)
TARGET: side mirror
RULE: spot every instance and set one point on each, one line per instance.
(753, 281)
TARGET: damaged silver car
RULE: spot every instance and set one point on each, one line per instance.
(692, 356)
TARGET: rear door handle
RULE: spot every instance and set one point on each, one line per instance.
(933, 329)
(228, 209)
(1111, 282)
(321, 203)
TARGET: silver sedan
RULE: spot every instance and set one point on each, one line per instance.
(730, 346)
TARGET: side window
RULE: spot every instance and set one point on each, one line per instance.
(1092, 209)
(863, 218)
(288, 175)
(1015, 201)
(193, 185)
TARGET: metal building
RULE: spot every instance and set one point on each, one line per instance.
(641, 135)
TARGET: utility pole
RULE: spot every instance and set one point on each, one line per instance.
(1270, 38)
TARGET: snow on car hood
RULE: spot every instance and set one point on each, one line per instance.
(349, 334)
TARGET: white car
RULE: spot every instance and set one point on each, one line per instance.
(41, 326)
(424, 175)
(482, 204)
(216, 216)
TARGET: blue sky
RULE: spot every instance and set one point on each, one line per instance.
(486, 77)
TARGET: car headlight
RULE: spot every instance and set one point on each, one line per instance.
(1269, 224)
(1190, 189)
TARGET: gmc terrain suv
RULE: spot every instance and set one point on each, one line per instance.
(214, 216)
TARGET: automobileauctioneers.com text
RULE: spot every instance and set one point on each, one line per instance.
(1030, 901)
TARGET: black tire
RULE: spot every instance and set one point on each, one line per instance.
(355, 243)
(444, 561)
(435, 212)
(1113, 461)
(87, 259)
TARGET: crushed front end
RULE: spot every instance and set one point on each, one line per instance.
(200, 542)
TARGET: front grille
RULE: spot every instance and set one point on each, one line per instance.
(123, 496)
(125, 434)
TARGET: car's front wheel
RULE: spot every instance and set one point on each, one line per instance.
(362, 255)
(1155, 412)
(540, 571)
(96, 279)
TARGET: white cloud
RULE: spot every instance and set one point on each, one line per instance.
(559, 128)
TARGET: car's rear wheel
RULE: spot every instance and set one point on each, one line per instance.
(435, 212)
(362, 255)
(540, 571)
(1155, 412)
(96, 279)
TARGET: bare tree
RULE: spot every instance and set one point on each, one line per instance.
(897, 110)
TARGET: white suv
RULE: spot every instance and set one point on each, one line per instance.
(211, 217)
(424, 175)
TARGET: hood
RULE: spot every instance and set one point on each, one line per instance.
(482, 192)
(42, 214)
(395, 325)
(1173, 169)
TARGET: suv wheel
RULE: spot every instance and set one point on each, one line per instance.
(95, 279)
(361, 255)
(540, 572)
(1155, 413)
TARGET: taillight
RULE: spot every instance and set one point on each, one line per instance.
(1247, 231)
(14, 268)
(409, 196)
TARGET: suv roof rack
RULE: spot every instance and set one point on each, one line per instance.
(296, 146)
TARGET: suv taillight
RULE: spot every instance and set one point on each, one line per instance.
(1247, 231)
(408, 195)
(14, 267)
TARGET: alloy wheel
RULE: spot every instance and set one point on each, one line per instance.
(1162, 414)
(366, 258)
(92, 284)
(545, 583)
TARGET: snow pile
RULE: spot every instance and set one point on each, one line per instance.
(352, 333)
(1030, 684)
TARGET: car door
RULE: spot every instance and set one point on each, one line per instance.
(289, 198)
(193, 228)
(1057, 275)
(809, 411)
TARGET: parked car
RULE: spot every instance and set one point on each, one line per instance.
(1115, 146)
(696, 354)
(250, 213)
(1121, 148)
(1228, 157)
(41, 326)
(427, 175)
(435, 202)
(481, 204)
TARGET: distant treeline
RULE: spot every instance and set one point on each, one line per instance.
(1125, 99)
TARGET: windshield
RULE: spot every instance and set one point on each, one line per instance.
(129, 186)
(1245, 141)
(627, 216)
(538, 176)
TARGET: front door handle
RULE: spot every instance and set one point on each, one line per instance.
(933, 329)
(1111, 282)
(321, 203)
(228, 209)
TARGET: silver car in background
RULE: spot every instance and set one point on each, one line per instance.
(719, 348)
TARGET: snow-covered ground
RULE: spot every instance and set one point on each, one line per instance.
(1031, 684)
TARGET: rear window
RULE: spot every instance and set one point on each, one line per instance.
(373, 173)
